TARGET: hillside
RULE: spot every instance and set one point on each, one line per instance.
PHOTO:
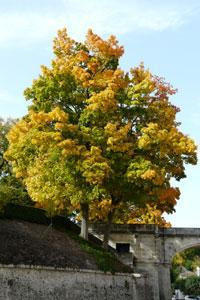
(28, 243)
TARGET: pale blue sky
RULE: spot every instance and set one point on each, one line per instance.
(163, 34)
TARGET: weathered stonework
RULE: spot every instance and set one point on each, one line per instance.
(41, 283)
(151, 252)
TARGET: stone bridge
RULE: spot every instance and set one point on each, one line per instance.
(150, 249)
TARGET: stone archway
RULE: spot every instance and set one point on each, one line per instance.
(153, 249)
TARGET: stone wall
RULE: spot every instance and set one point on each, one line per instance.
(41, 283)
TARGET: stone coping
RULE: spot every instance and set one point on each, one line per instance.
(145, 229)
(46, 268)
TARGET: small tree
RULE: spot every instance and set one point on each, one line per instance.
(11, 189)
(95, 133)
(4, 129)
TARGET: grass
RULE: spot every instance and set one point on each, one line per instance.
(105, 260)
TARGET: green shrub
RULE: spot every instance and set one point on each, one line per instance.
(179, 284)
(192, 286)
(189, 286)
(38, 215)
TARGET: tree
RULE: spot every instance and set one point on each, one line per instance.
(4, 129)
(95, 135)
(11, 189)
(188, 259)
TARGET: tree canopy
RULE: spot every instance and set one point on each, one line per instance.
(11, 189)
(96, 135)
(4, 128)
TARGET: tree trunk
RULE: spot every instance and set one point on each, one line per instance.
(107, 230)
(84, 221)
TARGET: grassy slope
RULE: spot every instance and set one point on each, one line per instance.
(60, 246)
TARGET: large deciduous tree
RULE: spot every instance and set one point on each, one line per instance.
(95, 135)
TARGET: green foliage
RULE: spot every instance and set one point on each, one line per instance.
(188, 264)
(189, 286)
(175, 271)
(192, 286)
(179, 285)
(38, 215)
(4, 128)
(188, 259)
(191, 253)
(11, 189)
(26, 213)
(196, 262)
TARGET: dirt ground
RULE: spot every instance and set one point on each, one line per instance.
(33, 244)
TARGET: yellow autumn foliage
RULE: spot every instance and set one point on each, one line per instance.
(98, 136)
(103, 48)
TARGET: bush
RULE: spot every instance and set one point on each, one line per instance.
(179, 284)
(189, 286)
(38, 215)
(175, 271)
(192, 286)
(12, 191)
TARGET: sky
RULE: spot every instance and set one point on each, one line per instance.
(165, 35)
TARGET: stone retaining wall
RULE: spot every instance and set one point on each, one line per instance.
(41, 283)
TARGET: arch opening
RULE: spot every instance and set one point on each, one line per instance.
(185, 271)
